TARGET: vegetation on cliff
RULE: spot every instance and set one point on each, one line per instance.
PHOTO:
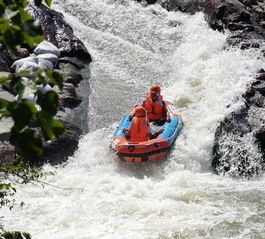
(33, 119)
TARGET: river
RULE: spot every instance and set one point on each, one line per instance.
(94, 195)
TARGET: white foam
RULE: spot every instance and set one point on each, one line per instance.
(133, 47)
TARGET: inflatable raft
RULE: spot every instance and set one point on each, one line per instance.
(150, 149)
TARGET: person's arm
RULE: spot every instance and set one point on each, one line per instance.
(166, 112)
(127, 133)
(155, 134)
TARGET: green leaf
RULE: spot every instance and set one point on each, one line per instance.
(22, 113)
(17, 84)
(24, 16)
(26, 235)
(15, 235)
(28, 39)
(9, 39)
(51, 128)
(48, 102)
(4, 79)
(37, 39)
(56, 78)
(3, 107)
(2, 9)
(45, 122)
(28, 142)
(48, 2)
(58, 128)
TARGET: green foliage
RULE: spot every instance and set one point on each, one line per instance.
(6, 191)
(16, 26)
(15, 235)
(40, 112)
(23, 171)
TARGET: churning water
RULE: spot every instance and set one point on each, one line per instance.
(97, 196)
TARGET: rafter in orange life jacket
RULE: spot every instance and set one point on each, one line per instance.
(156, 110)
(139, 130)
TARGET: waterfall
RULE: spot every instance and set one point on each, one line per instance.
(95, 195)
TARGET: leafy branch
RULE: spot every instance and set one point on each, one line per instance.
(33, 115)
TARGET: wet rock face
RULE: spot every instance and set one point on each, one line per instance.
(239, 147)
(244, 18)
(189, 6)
(59, 150)
(58, 32)
(73, 104)
(219, 13)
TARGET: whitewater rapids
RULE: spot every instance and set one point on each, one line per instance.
(95, 196)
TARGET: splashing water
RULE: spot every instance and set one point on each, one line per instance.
(133, 47)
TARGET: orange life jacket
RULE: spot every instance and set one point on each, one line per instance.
(155, 110)
(139, 130)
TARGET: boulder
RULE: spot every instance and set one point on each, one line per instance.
(244, 18)
(189, 6)
(74, 78)
(219, 13)
(72, 60)
(4, 62)
(68, 97)
(58, 32)
(7, 151)
(60, 149)
(239, 147)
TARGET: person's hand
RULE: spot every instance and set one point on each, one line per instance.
(168, 118)
(130, 117)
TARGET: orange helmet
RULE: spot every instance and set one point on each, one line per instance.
(139, 111)
(155, 89)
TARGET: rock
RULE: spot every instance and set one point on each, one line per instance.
(59, 150)
(4, 62)
(151, 1)
(4, 74)
(58, 32)
(239, 26)
(255, 45)
(242, 17)
(73, 60)
(67, 67)
(73, 100)
(261, 76)
(249, 3)
(22, 52)
(239, 139)
(219, 13)
(189, 6)
(262, 24)
(5, 94)
(7, 151)
(73, 78)
(260, 136)
(68, 97)
(244, 46)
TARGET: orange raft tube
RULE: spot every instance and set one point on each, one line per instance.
(150, 149)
